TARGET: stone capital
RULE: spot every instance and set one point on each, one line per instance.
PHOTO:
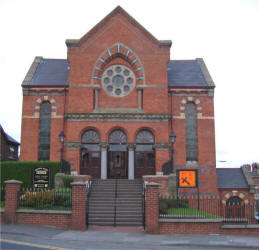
(104, 146)
(131, 146)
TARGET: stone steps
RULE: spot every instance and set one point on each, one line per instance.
(102, 203)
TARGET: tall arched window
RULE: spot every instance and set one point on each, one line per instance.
(90, 154)
(191, 132)
(44, 132)
(145, 154)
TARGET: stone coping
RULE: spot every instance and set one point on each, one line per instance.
(33, 211)
(242, 226)
(13, 182)
(155, 176)
(163, 220)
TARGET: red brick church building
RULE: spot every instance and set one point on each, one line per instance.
(117, 97)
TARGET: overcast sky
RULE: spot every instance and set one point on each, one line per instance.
(224, 33)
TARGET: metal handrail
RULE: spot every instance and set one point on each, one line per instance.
(115, 202)
(88, 188)
(144, 204)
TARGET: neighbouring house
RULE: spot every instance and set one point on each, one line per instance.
(9, 147)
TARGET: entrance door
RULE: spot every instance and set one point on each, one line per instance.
(118, 167)
(90, 164)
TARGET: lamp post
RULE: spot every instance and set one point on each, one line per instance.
(61, 139)
(172, 140)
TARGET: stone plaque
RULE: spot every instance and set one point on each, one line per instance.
(41, 177)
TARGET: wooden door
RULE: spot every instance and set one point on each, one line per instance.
(118, 167)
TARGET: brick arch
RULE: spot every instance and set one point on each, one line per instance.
(54, 109)
(196, 101)
(124, 52)
(233, 193)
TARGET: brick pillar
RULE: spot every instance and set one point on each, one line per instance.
(79, 197)
(152, 207)
(12, 188)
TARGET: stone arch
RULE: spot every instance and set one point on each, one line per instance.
(234, 193)
(118, 50)
(54, 109)
(196, 101)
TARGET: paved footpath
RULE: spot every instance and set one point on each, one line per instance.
(35, 237)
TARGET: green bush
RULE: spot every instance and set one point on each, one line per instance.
(168, 203)
(22, 171)
(163, 206)
(67, 180)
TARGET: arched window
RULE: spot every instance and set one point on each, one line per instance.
(117, 137)
(90, 154)
(191, 132)
(144, 154)
(234, 207)
(44, 132)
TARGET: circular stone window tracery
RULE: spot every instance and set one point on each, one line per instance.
(118, 80)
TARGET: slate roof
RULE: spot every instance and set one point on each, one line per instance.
(51, 72)
(185, 73)
(231, 178)
(9, 138)
(181, 73)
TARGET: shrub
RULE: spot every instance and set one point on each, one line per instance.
(163, 206)
(38, 199)
(167, 203)
(67, 180)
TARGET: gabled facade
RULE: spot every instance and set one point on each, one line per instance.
(117, 97)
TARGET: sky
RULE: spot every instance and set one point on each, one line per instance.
(224, 33)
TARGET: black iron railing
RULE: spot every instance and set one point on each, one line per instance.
(192, 208)
(53, 199)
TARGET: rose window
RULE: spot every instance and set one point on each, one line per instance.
(118, 80)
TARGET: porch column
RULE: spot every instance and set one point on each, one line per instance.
(104, 147)
(131, 161)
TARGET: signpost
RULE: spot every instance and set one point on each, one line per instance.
(41, 177)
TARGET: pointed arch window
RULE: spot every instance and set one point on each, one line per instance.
(191, 132)
(44, 131)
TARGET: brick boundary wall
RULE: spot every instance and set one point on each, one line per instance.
(152, 207)
(206, 227)
(75, 219)
(61, 219)
(162, 180)
(11, 200)
(79, 199)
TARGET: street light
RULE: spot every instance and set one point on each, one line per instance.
(172, 140)
(61, 139)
